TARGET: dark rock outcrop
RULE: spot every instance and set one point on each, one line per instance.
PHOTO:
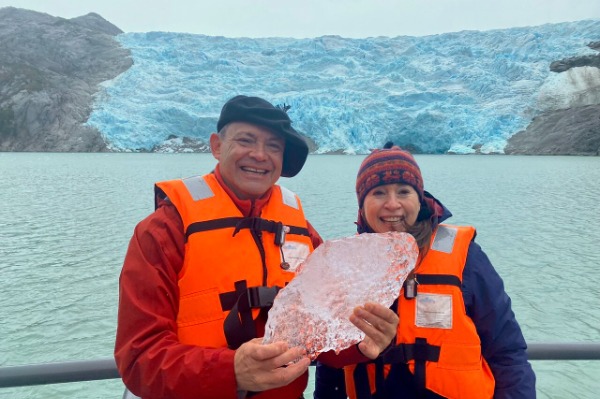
(574, 62)
(573, 131)
(569, 131)
(50, 68)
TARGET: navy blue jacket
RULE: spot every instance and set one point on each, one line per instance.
(502, 342)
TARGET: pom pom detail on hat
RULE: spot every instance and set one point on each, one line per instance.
(260, 112)
(387, 166)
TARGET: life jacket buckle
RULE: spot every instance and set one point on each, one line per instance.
(262, 297)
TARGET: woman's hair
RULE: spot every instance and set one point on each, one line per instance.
(422, 230)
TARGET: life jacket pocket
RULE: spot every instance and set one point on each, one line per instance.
(199, 307)
(458, 356)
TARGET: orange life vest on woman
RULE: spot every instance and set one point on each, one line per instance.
(233, 265)
(435, 337)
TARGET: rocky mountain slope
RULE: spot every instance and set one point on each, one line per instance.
(572, 131)
(50, 69)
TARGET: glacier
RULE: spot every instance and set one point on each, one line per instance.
(459, 92)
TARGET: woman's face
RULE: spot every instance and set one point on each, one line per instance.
(392, 207)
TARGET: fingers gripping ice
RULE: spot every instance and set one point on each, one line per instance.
(313, 310)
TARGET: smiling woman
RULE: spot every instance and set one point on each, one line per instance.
(389, 187)
(446, 345)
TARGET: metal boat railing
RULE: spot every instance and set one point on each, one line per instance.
(103, 369)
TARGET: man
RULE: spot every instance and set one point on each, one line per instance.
(201, 271)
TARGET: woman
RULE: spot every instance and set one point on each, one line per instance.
(457, 336)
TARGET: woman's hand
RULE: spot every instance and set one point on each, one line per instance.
(379, 325)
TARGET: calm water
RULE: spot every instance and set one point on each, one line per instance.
(66, 219)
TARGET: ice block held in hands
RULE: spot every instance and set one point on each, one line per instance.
(312, 311)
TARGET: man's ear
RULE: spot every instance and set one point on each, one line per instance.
(215, 145)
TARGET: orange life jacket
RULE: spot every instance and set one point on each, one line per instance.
(435, 336)
(234, 265)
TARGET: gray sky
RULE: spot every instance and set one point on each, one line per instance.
(313, 18)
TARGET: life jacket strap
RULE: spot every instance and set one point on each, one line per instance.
(379, 378)
(239, 325)
(252, 223)
(361, 381)
(362, 387)
(438, 279)
(214, 224)
(421, 352)
(260, 224)
(412, 283)
(258, 297)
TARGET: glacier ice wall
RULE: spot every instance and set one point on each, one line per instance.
(434, 94)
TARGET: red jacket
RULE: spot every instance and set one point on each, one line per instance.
(150, 359)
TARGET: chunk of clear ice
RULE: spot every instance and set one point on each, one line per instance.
(313, 310)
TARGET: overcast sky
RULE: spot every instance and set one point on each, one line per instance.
(313, 18)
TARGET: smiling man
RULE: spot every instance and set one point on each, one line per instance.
(202, 270)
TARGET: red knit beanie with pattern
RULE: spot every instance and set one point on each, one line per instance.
(388, 166)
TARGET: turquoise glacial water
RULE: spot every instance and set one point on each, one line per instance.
(66, 219)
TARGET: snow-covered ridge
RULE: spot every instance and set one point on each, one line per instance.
(443, 93)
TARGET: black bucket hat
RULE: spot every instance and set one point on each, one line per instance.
(260, 112)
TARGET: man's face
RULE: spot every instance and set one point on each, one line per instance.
(250, 158)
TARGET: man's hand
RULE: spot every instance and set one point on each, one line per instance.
(260, 367)
(379, 324)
